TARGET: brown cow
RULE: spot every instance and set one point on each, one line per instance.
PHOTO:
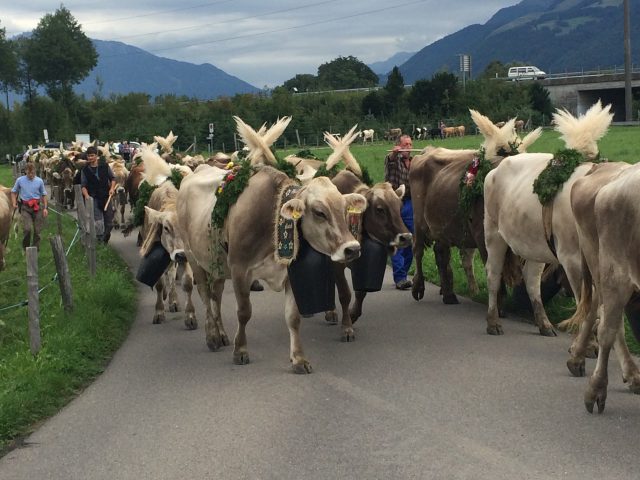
(382, 222)
(6, 213)
(160, 224)
(249, 249)
(119, 198)
(435, 178)
(605, 205)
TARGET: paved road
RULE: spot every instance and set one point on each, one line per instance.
(423, 393)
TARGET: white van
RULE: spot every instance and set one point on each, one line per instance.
(526, 73)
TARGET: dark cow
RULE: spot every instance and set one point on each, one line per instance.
(435, 178)
(382, 222)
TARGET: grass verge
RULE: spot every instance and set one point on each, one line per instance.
(76, 347)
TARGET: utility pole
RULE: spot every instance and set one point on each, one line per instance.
(627, 63)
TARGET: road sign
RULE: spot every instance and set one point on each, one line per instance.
(211, 128)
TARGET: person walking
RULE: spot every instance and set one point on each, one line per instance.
(98, 181)
(29, 195)
(396, 172)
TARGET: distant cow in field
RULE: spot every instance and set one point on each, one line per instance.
(393, 134)
(519, 125)
(367, 135)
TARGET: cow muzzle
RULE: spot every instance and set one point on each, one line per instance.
(348, 252)
(403, 240)
(179, 256)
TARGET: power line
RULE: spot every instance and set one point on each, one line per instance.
(226, 22)
(249, 35)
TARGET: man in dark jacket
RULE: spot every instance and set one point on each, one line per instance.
(97, 181)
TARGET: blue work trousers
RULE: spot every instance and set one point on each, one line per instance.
(401, 261)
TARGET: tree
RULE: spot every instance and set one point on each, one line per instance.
(540, 100)
(422, 98)
(346, 72)
(302, 82)
(395, 86)
(59, 55)
(9, 79)
(495, 69)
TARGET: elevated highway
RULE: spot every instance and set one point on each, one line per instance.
(578, 91)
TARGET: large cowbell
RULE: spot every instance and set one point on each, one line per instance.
(153, 265)
(312, 280)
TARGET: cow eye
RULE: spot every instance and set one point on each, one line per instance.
(166, 228)
(320, 214)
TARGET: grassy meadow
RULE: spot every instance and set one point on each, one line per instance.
(76, 347)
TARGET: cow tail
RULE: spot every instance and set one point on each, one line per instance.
(572, 324)
(512, 269)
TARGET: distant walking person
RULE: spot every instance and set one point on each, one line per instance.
(396, 172)
(97, 181)
(29, 195)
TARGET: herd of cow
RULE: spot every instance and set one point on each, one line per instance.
(585, 229)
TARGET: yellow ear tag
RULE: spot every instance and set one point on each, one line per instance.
(229, 165)
(353, 209)
(296, 214)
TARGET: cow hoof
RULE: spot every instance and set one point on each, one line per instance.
(548, 332)
(214, 344)
(302, 368)
(450, 299)
(191, 322)
(173, 307)
(241, 358)
(495, 330)
(158, 318)
(593, 397)
(634, 387)
(417, 292)
(331, 317)
(576, 367)
(348, 336)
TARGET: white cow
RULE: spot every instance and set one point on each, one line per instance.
(513, 215)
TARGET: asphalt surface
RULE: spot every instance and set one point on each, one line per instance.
(422, 393)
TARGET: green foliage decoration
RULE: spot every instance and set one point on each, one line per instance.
(285, 167)
(176, 178)
(556, 173)
(366, 176)
(232, 186)
(472, 191)
(144, 194)
(306, 154)
(323, 172)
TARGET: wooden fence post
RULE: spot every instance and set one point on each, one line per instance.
(81, 213)
(33, 297)
(15, 170)
(91, 238)
(298, 137)
(55, 194)
(62, 267)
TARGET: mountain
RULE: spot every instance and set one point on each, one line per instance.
(554, 35)
(385, 66)
(124, 69)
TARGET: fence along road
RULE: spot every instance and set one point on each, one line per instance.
(423, 393)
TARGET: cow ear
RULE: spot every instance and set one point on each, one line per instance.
(292, 209)
(400, 191)
(154, 216)
(355, 201)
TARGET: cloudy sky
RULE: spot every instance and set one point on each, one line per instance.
(262, 42)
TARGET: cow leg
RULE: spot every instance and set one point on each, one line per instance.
(443, 261)
(613, 300)
(532, 273)
(241, 287)
(190, 320)
(172, 272)
(344, 295)
(630, 372)
(159, 317)
(580, 344)
(292, 316)
(466, 256)
(496, 252)
(356, 309)
(331, 316)
(210, 297)
(419, 244)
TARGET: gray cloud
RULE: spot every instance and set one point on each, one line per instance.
(264, 43)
